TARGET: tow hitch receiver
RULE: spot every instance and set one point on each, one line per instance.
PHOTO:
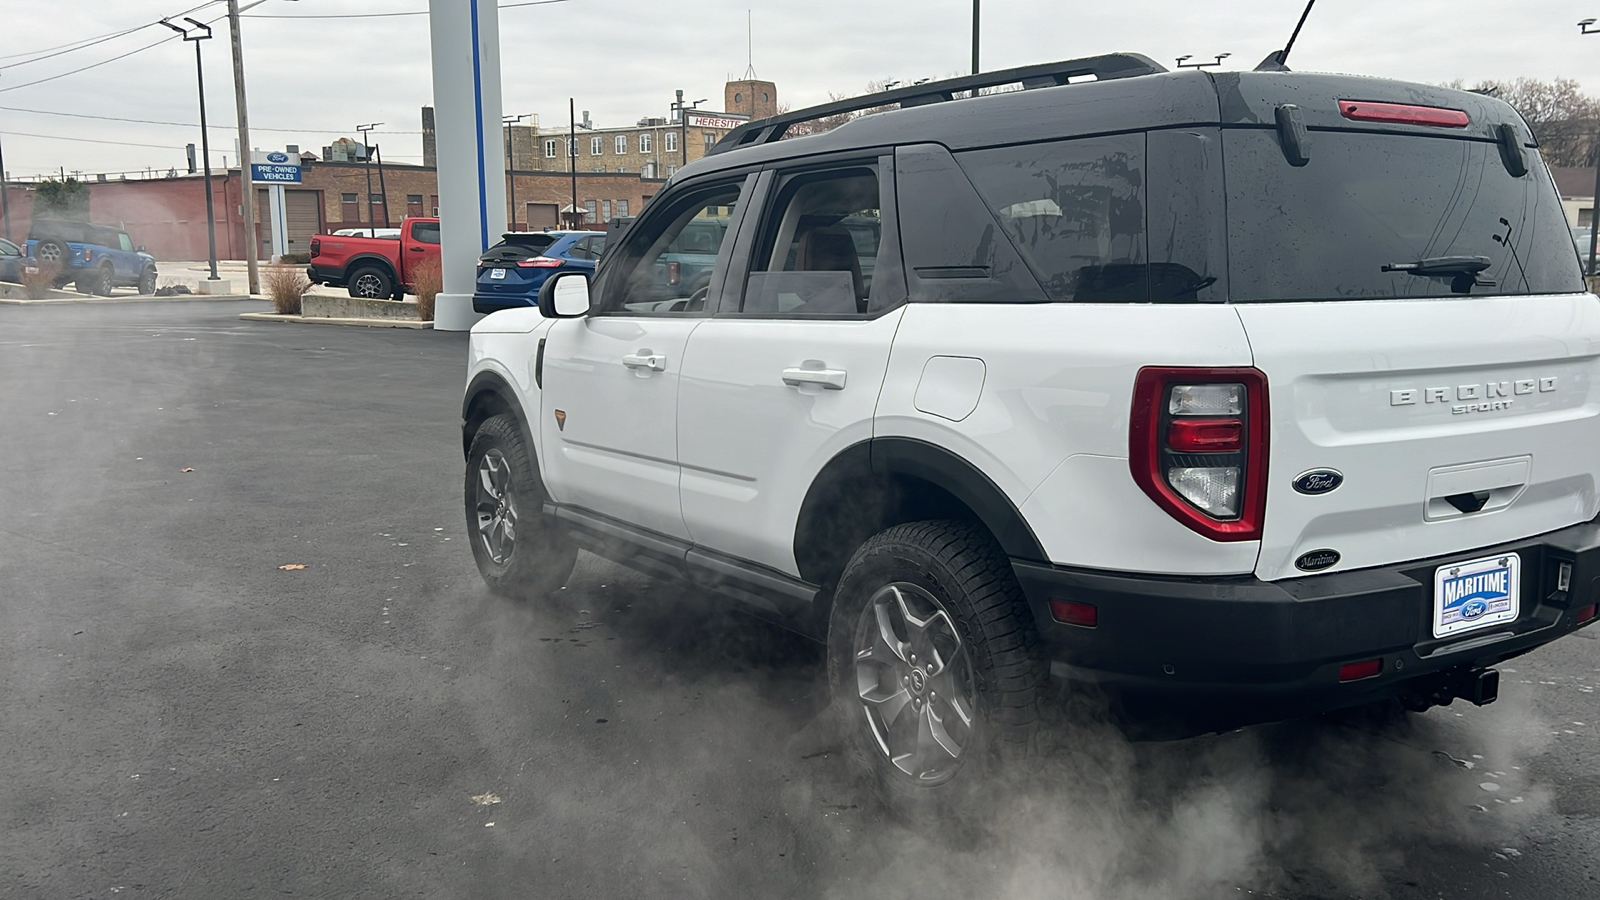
(1480, 686)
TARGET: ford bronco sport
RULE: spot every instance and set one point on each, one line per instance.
(1240, 395)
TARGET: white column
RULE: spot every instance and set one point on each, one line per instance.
(472, 178)
(278, 227)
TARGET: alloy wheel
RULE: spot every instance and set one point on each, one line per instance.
(497, 507)
(48, 253)
(369, 286)
(914, 679)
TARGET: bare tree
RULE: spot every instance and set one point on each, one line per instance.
(1564, 119)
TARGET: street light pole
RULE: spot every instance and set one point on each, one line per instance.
(1594, 153)
(200, 32)
(246, 182)
(366, 153)
(572, 154)
(511, 166)
(975, 36)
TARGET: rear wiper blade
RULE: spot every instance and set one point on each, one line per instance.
(1442, 265)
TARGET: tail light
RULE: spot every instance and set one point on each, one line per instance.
(672, 273)
(1197, 444)
(88, 254)
(316, 248)
(538, 262)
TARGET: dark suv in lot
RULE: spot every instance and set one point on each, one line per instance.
(98, 258)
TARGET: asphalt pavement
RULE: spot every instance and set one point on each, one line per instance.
(244, 653)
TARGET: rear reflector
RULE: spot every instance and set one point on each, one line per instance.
(1205, 435)
(1071, 612)
(1403, 114)
(1358, 670)
(1587, 613)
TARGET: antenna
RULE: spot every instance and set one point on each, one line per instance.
(1277, 60)
(750, 46)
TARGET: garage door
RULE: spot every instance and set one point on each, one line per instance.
(302, 217)
(541, 216)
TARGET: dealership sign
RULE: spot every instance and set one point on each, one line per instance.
(700, 121)
(275, 173)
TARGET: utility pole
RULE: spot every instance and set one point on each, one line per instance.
(683, 131)
(246, 182)
(572, 155)
(975, 36)
(366, 153)
(511, 166)
(202, 32)
(383, 189)
(1594, 204)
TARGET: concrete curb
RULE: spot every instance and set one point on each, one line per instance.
(321, 320)
(140, 298)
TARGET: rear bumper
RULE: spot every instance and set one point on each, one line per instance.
(329, 275)
(1190, 655)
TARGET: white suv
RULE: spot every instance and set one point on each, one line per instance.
(1239, 395)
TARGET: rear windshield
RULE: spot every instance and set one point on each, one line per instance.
(1369, 202)
(518, 246)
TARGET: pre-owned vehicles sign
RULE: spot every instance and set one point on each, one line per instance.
(275, 173)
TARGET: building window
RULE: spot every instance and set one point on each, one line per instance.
(671, 171)
(597, 145)
(765, 97)
(413, 204)
(350, 208)
(646, 145)
(711, 138)
(572, 147)
(622, 207)
(738, 98)
(622, 143)
(589, 210)
(605, 210)
(671, 140)
(549, 149)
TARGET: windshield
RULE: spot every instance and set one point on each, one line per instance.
(1367, 207)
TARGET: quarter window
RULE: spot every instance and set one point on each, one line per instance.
(818, 248)
(1075, 210)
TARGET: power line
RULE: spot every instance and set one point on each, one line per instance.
(113, 59)
(58, 137)
(387, 15)
(53, 112)
(85, 43)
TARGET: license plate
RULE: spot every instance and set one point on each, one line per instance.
(497, 274)
(1475, 594)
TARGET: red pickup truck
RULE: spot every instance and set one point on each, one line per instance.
(374, 267)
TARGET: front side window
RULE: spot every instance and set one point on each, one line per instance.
(125, 242)
(1366, 210)
(668, 258)
(818, 247)
(425, 232)
(1075, 211)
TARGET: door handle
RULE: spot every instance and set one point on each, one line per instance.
(644, 359)
(416, 249)
(814, 372)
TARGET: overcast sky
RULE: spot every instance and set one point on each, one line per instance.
(311, 80)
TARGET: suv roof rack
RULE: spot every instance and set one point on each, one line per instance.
(1103, 68)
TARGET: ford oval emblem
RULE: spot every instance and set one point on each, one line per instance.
(277, 156)
(1318, 481)
(1317, 560)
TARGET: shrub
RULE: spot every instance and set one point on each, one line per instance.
(286, 285)
(301, 258)
(38, 278)
(427, 280)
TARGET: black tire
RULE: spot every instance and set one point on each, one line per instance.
(102, 281)
(997, 670)
(51, 250)
(147, 280)
(537, 556)
(370, 282)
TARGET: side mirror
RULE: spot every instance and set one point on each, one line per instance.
(140, 248)
(564, 295)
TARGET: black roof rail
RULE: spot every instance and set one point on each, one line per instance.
(1103, 68)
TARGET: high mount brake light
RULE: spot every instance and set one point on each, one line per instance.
(1206, 470)
(1403, 114)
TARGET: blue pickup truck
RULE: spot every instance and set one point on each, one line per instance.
(97, 258)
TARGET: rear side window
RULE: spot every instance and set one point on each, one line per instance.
(1075, 211)
(1354, 222)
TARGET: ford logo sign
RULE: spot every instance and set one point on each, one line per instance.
(277, 156)
(1318, 481)
(1317, 560)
